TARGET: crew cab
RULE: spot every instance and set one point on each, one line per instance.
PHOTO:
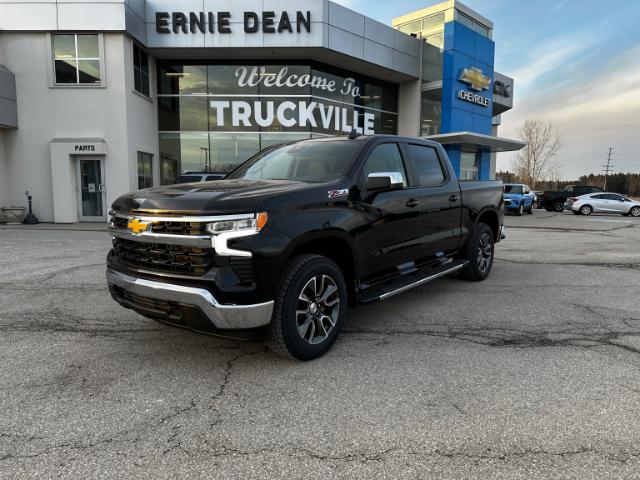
(283, 244)
(554, 201)
(518, 198)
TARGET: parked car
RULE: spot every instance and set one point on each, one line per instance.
(539, 195)
(518, 198)
(194, 177)
(603, 203)
(554, 201)
(286, 241)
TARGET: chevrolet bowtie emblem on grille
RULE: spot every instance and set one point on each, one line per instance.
(135, 225)
(475, 78)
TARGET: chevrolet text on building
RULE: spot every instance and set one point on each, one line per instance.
(220, 22)
(101, 98)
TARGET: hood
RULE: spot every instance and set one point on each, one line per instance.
(207, 198)
(512, 195)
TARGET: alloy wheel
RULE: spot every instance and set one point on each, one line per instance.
(586, 210)
(318, 309)
(485, 252)
(635, 212)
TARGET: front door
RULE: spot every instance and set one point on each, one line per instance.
(91, 192)
(389, 241)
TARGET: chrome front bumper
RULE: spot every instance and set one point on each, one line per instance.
(229, 317)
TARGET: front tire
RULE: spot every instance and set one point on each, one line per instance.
(530, 211)
(520, 210)
(310, 308)
(481, 252)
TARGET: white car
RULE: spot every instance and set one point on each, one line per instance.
(603, 202)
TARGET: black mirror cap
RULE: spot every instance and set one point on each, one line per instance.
(379, 183)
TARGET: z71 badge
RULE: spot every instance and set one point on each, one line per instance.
(338, 193)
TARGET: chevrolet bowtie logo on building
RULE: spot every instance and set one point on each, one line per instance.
(137, 226)
(475, 78)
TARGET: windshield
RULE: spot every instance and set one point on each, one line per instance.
(309, 161)
(513, 189)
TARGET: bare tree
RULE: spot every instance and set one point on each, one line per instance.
(537, 160)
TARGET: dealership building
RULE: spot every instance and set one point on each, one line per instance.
(98, 98)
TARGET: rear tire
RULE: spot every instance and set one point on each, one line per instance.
(586, 210)
(635, 212)
(558, 206)
(310, 308)
(481, 253)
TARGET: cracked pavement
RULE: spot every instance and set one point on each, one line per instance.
(534, 373)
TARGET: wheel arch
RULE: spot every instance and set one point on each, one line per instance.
(335, 245)
(490, 217)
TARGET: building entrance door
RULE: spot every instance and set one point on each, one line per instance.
(91, 191)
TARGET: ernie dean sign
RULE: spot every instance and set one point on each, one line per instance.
(221, 22)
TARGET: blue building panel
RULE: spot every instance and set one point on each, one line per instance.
(467, 49)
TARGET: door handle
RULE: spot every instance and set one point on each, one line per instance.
(412, 203)
(453, 198)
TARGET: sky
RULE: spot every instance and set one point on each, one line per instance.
(576, 64)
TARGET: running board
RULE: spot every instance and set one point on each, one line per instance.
(407, 282)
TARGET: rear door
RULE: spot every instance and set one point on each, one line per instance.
(597, 202)
(440, 201)
(389, 237)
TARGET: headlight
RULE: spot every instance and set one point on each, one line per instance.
(239, 223)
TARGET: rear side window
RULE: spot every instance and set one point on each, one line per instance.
(426, 164)
(597, 197)
(385, 158)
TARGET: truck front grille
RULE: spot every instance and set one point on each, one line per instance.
(167, 226)
(164, 258)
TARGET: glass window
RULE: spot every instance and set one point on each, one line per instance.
(385, 158)
(433, 21)
(411, 27)
(431, 113)
(140, 70)
(515, 189)
(481, 29)
(76, 59)
(426, 164)
(145, 170)
(310, 161)
(465, 20)
(469, 166)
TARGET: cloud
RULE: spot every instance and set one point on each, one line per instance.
(593, 111)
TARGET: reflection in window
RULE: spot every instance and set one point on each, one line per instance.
(431, 112)
(469, 166)
(76, 59)
(140, 70)
(193, 138)
(145, 170)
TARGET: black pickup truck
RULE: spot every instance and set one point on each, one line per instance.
(286, 242)
(554, 201)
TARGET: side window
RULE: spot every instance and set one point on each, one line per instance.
(569, 189)
(611, 196)
(385, 158)
(140, 70)
(76, 59)
(426, 164)
(597, 197)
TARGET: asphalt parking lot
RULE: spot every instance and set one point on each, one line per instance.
(534, 373)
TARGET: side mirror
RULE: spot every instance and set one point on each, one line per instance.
(385, 181)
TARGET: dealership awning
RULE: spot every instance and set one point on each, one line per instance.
(470, 139)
